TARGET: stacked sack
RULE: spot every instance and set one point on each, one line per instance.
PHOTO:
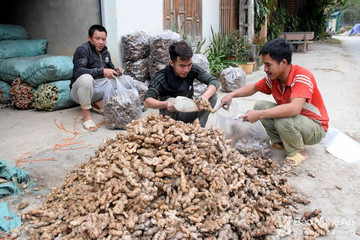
(7, 33)
(201, 61)
(143, 56)
(159, 50)
(26, 61)
(135, 52)
(4, 92)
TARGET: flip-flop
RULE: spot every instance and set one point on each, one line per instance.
(89, 125)
(297, 159)
(97, 110)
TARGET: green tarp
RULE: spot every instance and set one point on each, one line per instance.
(4, 92)
(37, 70)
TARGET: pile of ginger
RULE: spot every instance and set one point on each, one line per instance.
(164, 179)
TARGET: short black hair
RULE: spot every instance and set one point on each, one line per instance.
(96, 27)
(180, 49)
(278, 49)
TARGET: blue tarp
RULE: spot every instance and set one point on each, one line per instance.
(8, 220)
(355, 29)
(12, 176)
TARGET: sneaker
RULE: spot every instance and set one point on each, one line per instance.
(276, 146)
(297, 159)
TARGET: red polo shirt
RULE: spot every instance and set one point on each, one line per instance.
(299, 84)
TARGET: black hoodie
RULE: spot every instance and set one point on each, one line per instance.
(88, 60)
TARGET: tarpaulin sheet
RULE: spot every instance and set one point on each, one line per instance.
(355, 29)
(13, 175)
(8, 220)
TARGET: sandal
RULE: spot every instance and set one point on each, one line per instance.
(97, 110)
(89, 125)
(297, 159)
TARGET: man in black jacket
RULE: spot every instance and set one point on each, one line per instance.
(92, 69)
(176, 79)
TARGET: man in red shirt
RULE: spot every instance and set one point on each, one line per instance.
(299, 116)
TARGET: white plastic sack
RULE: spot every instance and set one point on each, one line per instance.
(341, 146)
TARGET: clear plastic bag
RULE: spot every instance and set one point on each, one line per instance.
(250, 139)
(141, 87)
(139, 70)
(121, 103)
(135, 51)
(232, 79)
(201, 61)
(159, 50)
(135, 46)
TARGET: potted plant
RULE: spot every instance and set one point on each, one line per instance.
(235, 46)
(239, 50)
(248, 67)
(219, 54)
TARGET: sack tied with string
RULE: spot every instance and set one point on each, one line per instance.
(53, 96)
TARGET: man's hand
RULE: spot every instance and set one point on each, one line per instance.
(109, 73)
(251, 116)
(119, 71)
(170, 106)
(226, 100)
(203, 98)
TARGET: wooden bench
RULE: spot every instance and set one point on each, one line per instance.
(300, 40)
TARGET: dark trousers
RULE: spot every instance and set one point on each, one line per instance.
(191, 116)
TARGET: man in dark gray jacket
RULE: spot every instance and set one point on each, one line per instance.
(92, 69)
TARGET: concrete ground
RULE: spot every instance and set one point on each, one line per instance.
(334, 187)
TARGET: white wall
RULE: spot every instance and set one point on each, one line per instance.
(124, 16)
(140, 15)
(109, 21)
(210, 18)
